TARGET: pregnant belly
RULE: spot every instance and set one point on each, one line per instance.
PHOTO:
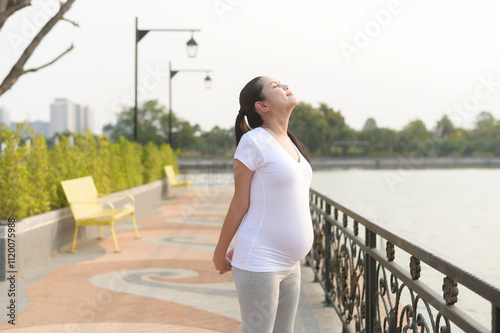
(293, 241)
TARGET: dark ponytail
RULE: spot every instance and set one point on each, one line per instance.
(251, 93)
(299, 145)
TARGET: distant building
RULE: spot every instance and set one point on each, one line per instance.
(42, 127)
(68, 116)
(84, 120)
(78, 117)
(88, 124)
(4, 117)
(62, 116)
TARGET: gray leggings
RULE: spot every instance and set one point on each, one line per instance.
(268, 301)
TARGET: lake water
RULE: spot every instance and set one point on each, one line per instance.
(453, 211)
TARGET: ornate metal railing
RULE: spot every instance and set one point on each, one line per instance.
(371, 292)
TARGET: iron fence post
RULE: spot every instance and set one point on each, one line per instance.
(370, 281)
(327, 254)
(495, 318)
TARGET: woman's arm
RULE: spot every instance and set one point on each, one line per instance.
(237, 210)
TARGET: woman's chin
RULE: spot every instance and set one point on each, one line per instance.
(293, 100)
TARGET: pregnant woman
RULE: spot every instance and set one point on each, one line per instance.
(269, 210)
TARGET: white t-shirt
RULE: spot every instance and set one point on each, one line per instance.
(276, 232)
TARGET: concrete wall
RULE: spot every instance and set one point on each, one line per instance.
(41, 237)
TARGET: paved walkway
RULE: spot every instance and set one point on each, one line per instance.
(164, 282)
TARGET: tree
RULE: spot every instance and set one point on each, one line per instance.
(153, 126)
(370, 124)
(184, 134)
(38, 168)
(484, 125)
(380, 140)
(335, 130)
(484, 121)
(14, 185)
(217, 141)
(485, 137)
(413, 137)
(7, 9)
(309, 126)
(444, 127)
(453, 144)
(150, 116)
(318, 128)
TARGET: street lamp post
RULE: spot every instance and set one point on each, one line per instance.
(208, 85)
(192, 48)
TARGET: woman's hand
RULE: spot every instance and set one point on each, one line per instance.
(221, 262)
(229, 254)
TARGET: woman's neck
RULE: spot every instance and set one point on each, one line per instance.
(276, 128)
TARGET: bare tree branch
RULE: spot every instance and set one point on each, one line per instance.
(72, 22)
(49, 63)
(18, 69)
(7, 8)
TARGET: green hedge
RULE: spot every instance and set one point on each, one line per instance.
(31, 174)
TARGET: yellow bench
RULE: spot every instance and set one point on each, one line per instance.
(87, 209)
(173, 180)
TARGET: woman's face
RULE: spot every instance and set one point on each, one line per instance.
(277, 95)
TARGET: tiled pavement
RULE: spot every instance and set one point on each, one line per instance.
(164, 282)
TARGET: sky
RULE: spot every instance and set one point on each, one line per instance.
(392, 60)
